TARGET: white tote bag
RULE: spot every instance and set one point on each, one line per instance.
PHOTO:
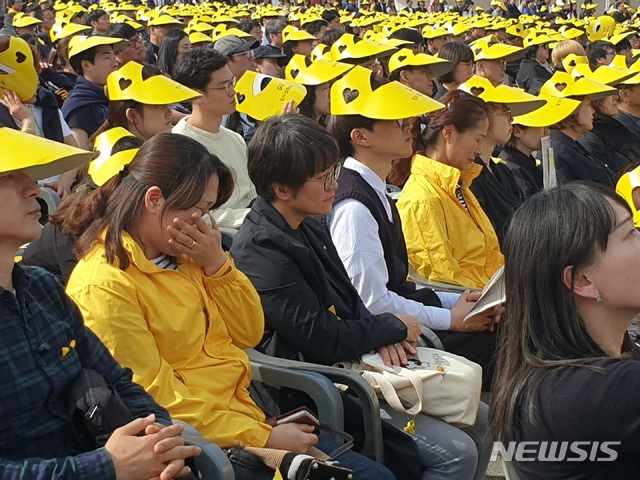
(444, 385)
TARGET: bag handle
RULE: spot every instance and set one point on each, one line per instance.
(389, 392)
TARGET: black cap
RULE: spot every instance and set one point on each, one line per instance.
(268, 51)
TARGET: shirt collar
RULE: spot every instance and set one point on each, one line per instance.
(367, 174)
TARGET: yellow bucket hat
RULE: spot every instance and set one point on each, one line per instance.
(262, 96)
(564, 85)
(627, 183)
(489, 48)
(555, 110)
(17, 72)
(517, 100)
(353, 95)
(127, 83)
(406, 58)
(39, 157)
(306, 72)
(82, 43)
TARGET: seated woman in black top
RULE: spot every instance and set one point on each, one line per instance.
(312, 311)
(517, 153)
(567, 371)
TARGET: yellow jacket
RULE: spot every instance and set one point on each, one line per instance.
(445, 243)
(182, 333)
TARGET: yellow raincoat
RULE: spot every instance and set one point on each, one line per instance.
(446, 243)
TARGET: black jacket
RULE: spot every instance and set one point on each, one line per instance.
(628, 121)
(527, 174)
(498, 193)
(532, 75)
(574, 162)
(53, 251)
(612, 143)
(301, 282)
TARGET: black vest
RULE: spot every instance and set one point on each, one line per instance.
(352, 185)
(52, 128)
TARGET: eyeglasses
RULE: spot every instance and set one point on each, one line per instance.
(330, 177)
(135, 41)
(228, 87)
(611, 53)
(250, 54)
(507, 112)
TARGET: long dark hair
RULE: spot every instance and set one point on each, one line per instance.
(542, 328)
(179, 165)
(168, 51)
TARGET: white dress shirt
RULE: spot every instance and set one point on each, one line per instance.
(354, 232)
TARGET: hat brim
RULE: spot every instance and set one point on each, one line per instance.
(103, 171)
(554, 111)
(38, 157)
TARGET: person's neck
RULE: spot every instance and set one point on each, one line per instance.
(381, 166)
(149, 252)
(91, 80)
(571, 133)
(205, 121)
(624, 107)
(487, 146)
(608, 335)
(291, 216)
(451, 86)
(524, 149)
(7, 260)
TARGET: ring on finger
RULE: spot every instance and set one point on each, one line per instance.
(396, 345)
(193, 243)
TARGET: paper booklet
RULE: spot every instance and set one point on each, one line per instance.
(492, 294)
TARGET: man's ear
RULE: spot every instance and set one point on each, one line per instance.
(154, 201)
(282, 192)
(403, 77)
(580, 284)
(359, 136)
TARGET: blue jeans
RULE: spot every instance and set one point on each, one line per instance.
(448, 452)
(362, 467)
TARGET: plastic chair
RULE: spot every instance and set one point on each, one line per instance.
(373, 446)
(212, 463)
(49, 201)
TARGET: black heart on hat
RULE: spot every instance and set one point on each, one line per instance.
(124, 83)
(294, 73)
(402, 58)
(572, 63)
(342, 48)
(475, 91)
(20, 57)
(478, 50)
(240, 97)
(578, 77)
(350, 95)
(560, 86)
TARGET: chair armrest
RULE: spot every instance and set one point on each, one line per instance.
(430, 336)
(212, 463)
(373, 447)
(437, 286)
(317, 386)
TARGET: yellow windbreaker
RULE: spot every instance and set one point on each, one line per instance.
(182, 333)
(446, 243)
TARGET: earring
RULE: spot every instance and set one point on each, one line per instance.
(598, 298)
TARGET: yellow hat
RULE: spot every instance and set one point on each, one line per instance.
(488, 48)
(82, 43)
(431, 32)
(105, 166)
(22, 21)
(616, 39)
(564, 85)
(292, 34)
(163, 20)
(60, 30)
(320, 51)
(625, 187)
(458, 29)
(406, 58)
(199, 37)
(302, 70)
(605, 74)
(602, 28)
(518, 101)
(555, 110)
(262, 96)
(391, 101)
(17, 71)
(223, 30)
(572, 60)
(517, 30)
(571, 33)
(39, 157)
(348, 46)
(127, 83)
(537, 38)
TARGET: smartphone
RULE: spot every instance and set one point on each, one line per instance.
(299, 415)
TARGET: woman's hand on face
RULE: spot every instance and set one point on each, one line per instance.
(200, 242)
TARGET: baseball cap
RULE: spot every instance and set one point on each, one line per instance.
(231, 45)
(268, 51)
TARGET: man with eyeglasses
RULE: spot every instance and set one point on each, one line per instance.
(239, 52)
(208, 71)
(134, 51)
(491, 59)
(600, 52)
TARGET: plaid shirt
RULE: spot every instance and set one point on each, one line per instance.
(43, 346)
